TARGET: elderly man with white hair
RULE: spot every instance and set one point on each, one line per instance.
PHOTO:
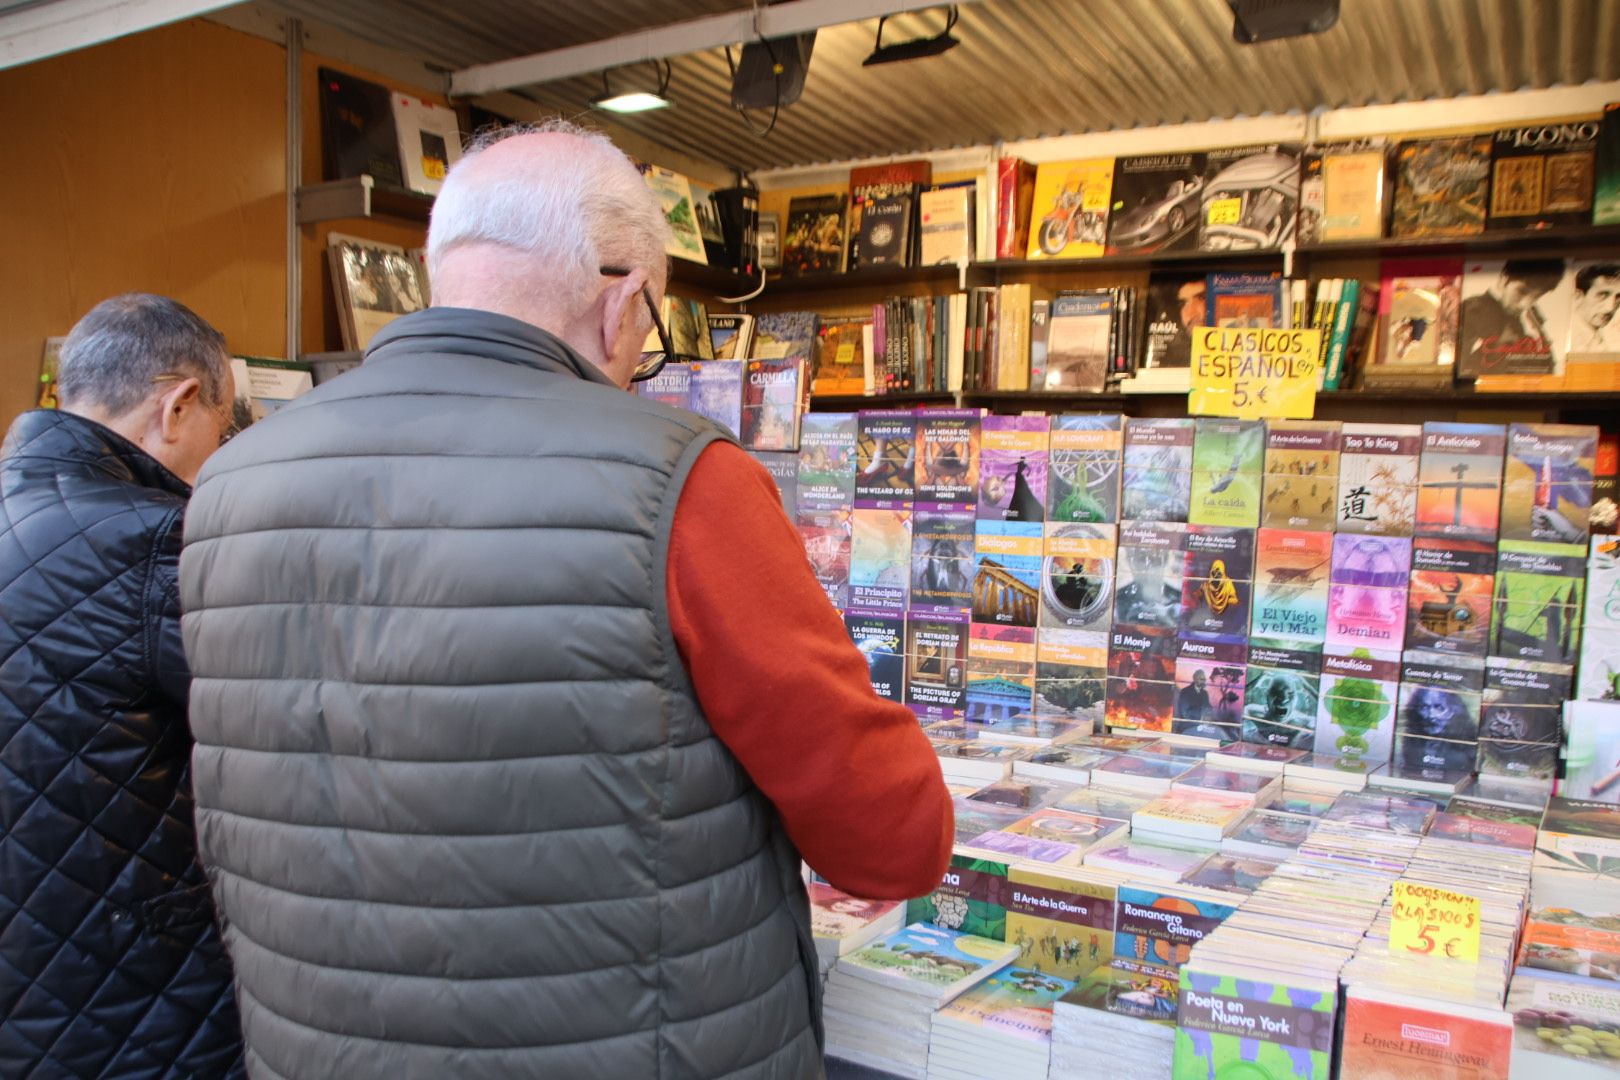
(516, 700)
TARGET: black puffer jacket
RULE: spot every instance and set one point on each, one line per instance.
(110, 963)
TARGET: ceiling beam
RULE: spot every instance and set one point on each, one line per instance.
(676, 39)
(35, 31)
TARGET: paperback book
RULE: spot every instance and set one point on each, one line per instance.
(1509, 319)
(1547, 482)
(947, 443)
(929, 961)
(1342, 192)
(1064, 925)
(1079, 339)
(1367, 592)
(1460, 480)
(826, 536)
(773, 392)
(1449, 599)
(1013, 468)
(1141, 689)
(1261, 1023)
(1217, 583)
(1083, 468)
(1245, 301)
(1007, 578)
(1155, 933)
(1438, 726)
(936, 664)
(672, 386)
(1077, 578)
(1227, 465)
(1537, 612)
(1071, 672)
(840, 362)
(1542, 176)
(732, 336)
(1282, 690)
(1176, 308)
(1418, 306)
(1158, 470)
(881, 640)
(942, 560)
(885, 456)
(1301, 474)
(1001, 673)
(880, 559)
(971, 898)
(1291, 585)
(1149, 575)
(1210, 676)
(1356, 716)
(827, 461)
(813, 241)
(1521, 719)
(1378, 479)
(717, 392)
(1251, 198)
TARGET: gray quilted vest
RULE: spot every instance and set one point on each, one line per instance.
(462, 813)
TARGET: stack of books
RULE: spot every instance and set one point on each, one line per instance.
(1190, 817)
(1061, 761)
(977, 762)
(881, 999)
(1142, 773)
(842, 923)
(1046, 838)
(1001, 1028)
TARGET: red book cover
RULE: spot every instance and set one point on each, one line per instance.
(1015, 193)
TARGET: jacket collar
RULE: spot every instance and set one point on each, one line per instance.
(55, 435)
(485, 334)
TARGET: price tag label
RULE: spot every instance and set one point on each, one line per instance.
(845, 354)
(1255, 373)
(433, 168)
(1429, 921)
(1224, 211)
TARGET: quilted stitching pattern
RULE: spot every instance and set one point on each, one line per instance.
(110, 963)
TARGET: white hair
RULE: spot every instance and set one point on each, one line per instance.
(592, 209)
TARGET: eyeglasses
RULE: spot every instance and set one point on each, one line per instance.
(651, 362)
(225, 413)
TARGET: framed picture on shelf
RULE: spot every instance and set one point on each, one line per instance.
(373, 284)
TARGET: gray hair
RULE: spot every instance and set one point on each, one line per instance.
(594, 211)
(116, 353)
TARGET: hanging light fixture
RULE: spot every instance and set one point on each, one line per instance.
(916, 48)
(635, 101)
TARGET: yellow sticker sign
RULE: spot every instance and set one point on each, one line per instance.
(1429, 921)
(1255, 373)
(1223, 211)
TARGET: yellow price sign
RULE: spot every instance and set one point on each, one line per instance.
(1430, 921)
(845, 354)
(1223, 211)
(1255, 373)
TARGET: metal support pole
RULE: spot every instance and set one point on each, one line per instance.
(295, 178)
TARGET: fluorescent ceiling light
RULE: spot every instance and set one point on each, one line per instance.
(633, 101)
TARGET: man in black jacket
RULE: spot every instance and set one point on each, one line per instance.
(110, 963)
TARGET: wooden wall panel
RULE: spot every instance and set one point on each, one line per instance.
(152, 163)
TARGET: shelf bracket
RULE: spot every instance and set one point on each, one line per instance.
(334, 200)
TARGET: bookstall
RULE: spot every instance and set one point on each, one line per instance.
(1233, 501)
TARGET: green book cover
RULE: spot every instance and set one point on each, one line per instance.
(969, 899)
(1537, 610)
(1233, 1028)
(1227, 465)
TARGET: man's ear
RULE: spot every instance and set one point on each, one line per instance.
(622, 298)
(185, 396)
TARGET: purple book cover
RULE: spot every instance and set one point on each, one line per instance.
(1012, 468)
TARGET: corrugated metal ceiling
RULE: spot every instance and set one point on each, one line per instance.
(1025, 68)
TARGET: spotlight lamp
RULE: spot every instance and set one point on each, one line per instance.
(635, 101)
(916, 48)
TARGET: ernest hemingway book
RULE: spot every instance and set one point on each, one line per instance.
(1291, 585)
(1227, 465)
(1012, 468)
(1083, 468)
